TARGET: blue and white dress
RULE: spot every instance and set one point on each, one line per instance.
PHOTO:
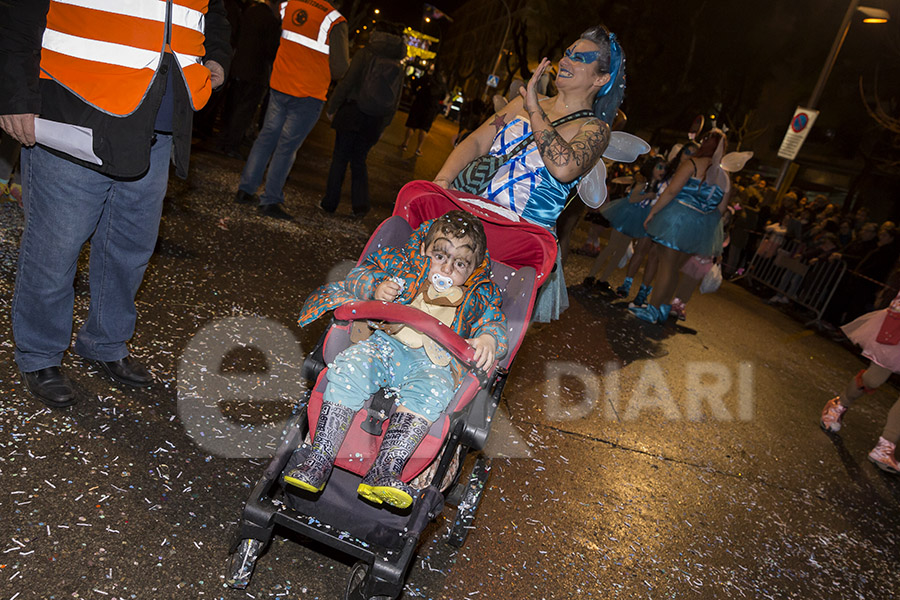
(691, 222)
(524, 186)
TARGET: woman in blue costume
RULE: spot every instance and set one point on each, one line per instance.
(626, 217)
(687, 220)
(645, 249)
(536, 182)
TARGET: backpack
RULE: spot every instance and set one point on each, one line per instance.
(381, 86)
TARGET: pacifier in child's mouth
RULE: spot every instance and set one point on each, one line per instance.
(440, 282)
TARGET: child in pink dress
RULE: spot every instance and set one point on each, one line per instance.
(878, 333)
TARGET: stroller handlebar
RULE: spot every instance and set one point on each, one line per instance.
(412, 317)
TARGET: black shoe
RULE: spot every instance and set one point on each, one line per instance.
(243, 197)
(275, 211)
(359, 214)
(126, 371)
(50, 386)
(330, 211)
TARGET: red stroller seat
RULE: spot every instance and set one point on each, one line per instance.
(382, 537)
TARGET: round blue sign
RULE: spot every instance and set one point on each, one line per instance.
(800, 122)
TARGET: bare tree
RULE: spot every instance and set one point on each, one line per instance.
(886, 115)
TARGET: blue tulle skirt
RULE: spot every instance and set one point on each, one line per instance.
(626, 217)
(688, 230)
(552, 298)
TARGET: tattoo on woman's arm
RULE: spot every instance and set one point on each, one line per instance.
(540, 111)
(586, 151)
(553, 148)
(498, 123)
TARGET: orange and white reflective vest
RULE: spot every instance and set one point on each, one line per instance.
(108, 51)
(301, 66)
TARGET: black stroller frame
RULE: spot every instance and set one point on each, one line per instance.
(383, 539)
(381, 570)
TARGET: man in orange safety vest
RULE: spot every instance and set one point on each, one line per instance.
(101, 94)
(312, 53)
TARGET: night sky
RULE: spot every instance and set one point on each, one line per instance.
(409, 12)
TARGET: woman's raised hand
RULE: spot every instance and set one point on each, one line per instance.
(529, 92)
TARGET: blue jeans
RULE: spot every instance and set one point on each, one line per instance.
(382, 361)
(288, 121)
(65, 206)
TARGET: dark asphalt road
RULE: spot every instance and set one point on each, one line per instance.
(631, 461)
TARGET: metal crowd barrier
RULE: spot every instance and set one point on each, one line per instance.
(817, 282)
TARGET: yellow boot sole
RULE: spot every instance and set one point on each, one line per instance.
(302, 484)
(368, 492)
(379, 494)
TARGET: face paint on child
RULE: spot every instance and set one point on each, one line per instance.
(453, 258)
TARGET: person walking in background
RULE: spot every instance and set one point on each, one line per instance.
(626, 218)
(687, 220)
(878, 334)
(430, 90)
(361, 107)
(257, 45)
(132, 82)
(312, 53)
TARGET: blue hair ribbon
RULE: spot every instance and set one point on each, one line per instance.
(615, 63)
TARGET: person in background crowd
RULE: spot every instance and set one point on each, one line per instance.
(257, 45)
(65, 62)
(844, 233)
(471, 115)
(361, 107)
(312, 53)
(864, 241)
(860, 218)
(744, 237)
(821, 250)
(429, 91)
(856, 293)
(205, 118)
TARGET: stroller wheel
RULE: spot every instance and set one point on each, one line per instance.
(468, 506)
(240, 568)
(357, 584)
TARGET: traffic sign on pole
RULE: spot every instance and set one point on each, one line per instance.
(797, 132)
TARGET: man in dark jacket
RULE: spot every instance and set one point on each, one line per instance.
(101, 99)
(361, 107)
(257, 45)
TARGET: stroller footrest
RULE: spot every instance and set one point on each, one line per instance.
(378, 412)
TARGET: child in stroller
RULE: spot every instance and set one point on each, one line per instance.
(444, 270)
(382, 537)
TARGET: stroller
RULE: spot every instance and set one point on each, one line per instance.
(383, 538)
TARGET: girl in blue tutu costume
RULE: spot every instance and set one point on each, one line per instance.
(687, 220)
(626, 216)
(570, 133)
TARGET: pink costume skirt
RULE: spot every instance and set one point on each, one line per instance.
(864, 330)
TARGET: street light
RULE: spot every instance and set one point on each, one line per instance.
(873, 15)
